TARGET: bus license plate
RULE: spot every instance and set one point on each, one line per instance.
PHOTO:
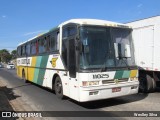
(118, 89)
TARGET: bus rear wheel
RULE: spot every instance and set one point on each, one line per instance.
(58, 88)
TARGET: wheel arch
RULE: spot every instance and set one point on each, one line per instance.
(23, 71)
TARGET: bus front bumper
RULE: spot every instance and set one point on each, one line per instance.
(108, 91)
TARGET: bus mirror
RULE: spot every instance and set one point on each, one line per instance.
(116, 50)
(122, 50)
(127, 51)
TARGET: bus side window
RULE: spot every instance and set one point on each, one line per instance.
(19, 51)
(48, 43)
(28, 49)
(37, 47)
(23, 50)
(33, 48)
(53, 42)
(45, 44)
(41, 46)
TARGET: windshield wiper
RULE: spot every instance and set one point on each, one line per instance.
(124, 61)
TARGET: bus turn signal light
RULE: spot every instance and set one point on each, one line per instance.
(90, 83)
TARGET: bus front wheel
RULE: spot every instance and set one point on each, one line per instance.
(58, 87)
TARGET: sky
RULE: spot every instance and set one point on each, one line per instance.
(21, 20)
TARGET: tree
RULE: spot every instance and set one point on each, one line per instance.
(13, 54)
(5, 56)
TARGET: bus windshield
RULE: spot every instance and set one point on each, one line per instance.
(98, 47)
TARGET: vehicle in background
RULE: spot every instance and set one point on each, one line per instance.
(146, 39)
(10, 66)
(84, 59)
(1, 65)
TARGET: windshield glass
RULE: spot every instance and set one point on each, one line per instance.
(98, 47)
(124, 39)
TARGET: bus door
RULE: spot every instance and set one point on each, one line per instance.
(70, 58)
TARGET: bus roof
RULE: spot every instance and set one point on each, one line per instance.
(85, 22)
(94, 22)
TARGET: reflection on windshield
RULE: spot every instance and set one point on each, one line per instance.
(98, 47)
(123, 37)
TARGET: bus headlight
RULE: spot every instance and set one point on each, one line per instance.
(90, 83)
(134, 78)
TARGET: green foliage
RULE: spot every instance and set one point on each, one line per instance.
(6, 56)
(13, 54)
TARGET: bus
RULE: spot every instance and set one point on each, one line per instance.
(83, 59)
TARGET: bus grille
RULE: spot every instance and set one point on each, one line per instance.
(113, 81)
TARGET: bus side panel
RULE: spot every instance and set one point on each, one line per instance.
(42, 69)
(31, 69)
(37, 70)
(48, 75)
(30, 73)
(20, 70)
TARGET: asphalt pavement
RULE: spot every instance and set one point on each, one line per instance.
(42, 99)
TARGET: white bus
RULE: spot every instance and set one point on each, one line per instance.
(84, 59)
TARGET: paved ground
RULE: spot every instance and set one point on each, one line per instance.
(9, 101)
(27, 96)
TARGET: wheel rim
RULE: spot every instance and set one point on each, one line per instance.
(58, 87)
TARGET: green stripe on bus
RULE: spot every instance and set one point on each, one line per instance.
(126, 74)
(118, 75)
(42, 71)
(36, 72)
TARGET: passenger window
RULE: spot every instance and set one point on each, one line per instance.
(33, 48)
(19, 51)
(41, 46)
(54, 41)
(48, 43)
(23, 50)
(28, 49)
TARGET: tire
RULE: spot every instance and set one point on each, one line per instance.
(142, 83)
(58, 88)
(153, 85)
(147, 84)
